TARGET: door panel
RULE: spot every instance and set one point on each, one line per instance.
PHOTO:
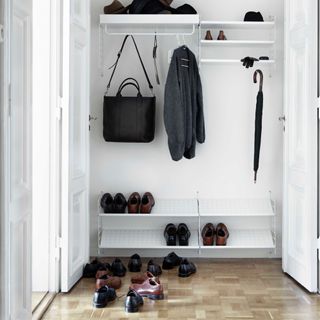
(300, 181)
(20, 159)
(75, 137)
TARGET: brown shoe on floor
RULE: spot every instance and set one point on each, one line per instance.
(134, 202)
(110, 281)
(147, 203)
(151, 289)
(103, 271)
(142, 277)
(208, 233)
(222, 235)
(208, 35)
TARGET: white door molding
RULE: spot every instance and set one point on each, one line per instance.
(300, 154)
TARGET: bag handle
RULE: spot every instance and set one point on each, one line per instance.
(117, 61)
(128, 84)
(131, 79)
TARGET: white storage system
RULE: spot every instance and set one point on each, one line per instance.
(252, 222)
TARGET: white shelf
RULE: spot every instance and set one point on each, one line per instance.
(164, 208)
(238, 24)
(237, 42)
(235, 61)
(235, 207)
(151, 19)
(246, 239)
(141, 239)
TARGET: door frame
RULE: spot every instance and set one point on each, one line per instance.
(4, 203)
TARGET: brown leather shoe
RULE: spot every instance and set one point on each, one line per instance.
(105, 270)
(208, 35)
(222, 235)
(208, 232)
(221, 36)
(134, 202)
(147, 203)
(151, 289)
(115, 7)
(142, 277)
(110, 281)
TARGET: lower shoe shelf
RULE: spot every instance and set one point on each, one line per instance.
(246, 239)
(141, 239)
(154, 239)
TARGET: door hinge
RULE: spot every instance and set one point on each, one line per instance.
(59, 109)
(58, 248)
(318, 243)
(1, 34)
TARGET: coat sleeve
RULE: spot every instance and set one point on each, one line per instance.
(200, 130)
(174, 118)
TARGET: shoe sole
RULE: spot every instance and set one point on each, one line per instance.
(99, 306)
(153, 296)
(132, 310)
(183, 275)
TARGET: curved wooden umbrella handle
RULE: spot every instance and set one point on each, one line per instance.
(261, 78)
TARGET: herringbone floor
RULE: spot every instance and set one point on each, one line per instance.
(228, 289)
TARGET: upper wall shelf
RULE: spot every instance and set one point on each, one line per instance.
(145, 24)
(238, 24)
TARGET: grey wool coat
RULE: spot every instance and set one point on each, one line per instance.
(183, 105)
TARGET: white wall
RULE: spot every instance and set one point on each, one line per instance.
(223, 166)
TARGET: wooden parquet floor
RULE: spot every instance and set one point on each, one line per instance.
(221, 289)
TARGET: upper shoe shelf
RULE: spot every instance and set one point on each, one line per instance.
(146, 24)
(237, 24)
(204, 207)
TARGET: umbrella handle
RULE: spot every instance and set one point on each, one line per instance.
(261, 78)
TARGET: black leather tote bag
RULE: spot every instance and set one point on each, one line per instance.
(129, 119)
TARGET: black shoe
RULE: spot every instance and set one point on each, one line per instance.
(135, 263)
(118, 269)
(171, 261)
(102, 296)
(170, 234)
(119, 203)
(106, 203)
(90, 269)
(133, 301)
(183, 234)
(186, 268)
(155, 269)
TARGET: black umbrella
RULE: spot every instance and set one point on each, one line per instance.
(258, 124)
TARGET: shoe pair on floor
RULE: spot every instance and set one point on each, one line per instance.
(135, 203)
(220, 234)
(186, 268)
(135, 264)
(171, 232)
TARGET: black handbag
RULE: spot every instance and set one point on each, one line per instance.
(129, 119)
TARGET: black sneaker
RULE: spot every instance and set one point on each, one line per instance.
(155, 269)
(102, 296)
(170, 234)
(171, 261)
(118, 269)
(90, 269)
(183, 234)
(186, 268)
(133, 302)
(119, 203)
(106, 203)
(135, 263)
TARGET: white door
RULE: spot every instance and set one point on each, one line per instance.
(19, 165)
(300, 183)
(75, 142)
